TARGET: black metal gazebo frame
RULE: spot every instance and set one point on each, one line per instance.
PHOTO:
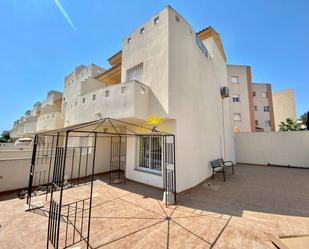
(53, 157)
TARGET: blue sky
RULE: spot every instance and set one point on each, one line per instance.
(43, 40)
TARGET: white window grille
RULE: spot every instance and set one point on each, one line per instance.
(150, 153)
(237, 117)
(135, 73)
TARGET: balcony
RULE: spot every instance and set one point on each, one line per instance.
(50, 121)
(128, 100)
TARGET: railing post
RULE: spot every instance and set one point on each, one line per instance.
(91, 188)
(31, 172)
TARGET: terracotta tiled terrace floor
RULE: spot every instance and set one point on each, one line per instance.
(238, 213)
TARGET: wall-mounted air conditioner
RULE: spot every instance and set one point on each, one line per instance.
(225, 92)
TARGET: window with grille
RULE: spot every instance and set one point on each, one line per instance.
(135, 73)
(267, 123)
(237, 117)
(150, 153)
(236, 98)
(235, 79)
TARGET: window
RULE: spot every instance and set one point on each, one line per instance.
(255, 107)
(84, 100)
(256, 122)
(264, 94)
(236, 98)
(253, 94)
(266, 108)
(177, 19)
(150, 153)
(93, 97)
(201, 45)
(267, 123)
(156, 20)
(135, 73)
(123, 88)
(235, 79)
(76, 103)
(106, 93)
(237, 117)
(129, 40)
(142, 30)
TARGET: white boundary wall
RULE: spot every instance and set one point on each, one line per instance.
(278, 148)
(14, 173)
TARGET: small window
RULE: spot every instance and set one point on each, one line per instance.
(267, 123)
(93, 97)
(235, 79)
(106, 93)
(123, 88)
(142, 30)
(129, 40)
(266, 108)
(236, 98)
(84, 100)
(255, 107)
(254, 94)
(156, 20)
(75, 103)
(256, 122)
(177, 19)
(237, 117)
(264, 94)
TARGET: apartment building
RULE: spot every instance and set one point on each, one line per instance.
(51, 117)
(26, 125)
(284, 106)
(263, 107)
(251, 103)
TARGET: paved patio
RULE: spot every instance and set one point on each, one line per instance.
(238, 213)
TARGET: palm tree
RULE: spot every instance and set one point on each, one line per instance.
(289, 125)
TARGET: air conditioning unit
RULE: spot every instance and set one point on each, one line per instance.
(225, 92)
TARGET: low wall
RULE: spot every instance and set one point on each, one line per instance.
(278, 148)
(15, 153)
(14, 174)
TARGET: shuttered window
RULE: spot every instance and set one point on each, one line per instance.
(135, 73)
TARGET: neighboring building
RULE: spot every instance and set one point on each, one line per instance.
(284, 106)
(263, 107)
(51, 117)
(26, 125)
(77, 86)
(240, 84)
(252, 107)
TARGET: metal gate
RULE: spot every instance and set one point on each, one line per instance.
(118, 159)
(69, 223)
(169, 167)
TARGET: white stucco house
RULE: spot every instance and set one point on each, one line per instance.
(167, 78)
(167, 70)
